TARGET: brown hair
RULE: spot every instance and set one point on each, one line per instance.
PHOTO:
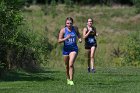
(69, 18)
(89, 18)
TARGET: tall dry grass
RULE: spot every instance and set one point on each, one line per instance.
(112, 24)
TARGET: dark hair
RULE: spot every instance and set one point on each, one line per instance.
(69, 18)
(89, 18)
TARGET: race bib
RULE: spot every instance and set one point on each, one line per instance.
(90, 40)
(71, 40)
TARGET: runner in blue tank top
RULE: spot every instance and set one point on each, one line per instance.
(70, 44)
(69, 35)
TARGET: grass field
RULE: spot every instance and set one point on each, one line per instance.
(113, 25)
(105, 80)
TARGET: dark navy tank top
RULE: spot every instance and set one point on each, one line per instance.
(90, 40)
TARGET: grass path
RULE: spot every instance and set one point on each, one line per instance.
(105, 80)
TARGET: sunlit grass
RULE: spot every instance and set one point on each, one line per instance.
(105, 80)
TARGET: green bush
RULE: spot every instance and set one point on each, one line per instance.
(20, 47)
(10, 20)
(132, 51)
(137, 5)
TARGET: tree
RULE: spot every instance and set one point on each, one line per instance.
(20, 47)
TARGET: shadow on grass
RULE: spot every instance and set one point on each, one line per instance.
(24, 76)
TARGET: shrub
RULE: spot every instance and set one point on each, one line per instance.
(132, 51)
(20, 47)
(137, 5)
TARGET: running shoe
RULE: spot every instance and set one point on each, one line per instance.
(88, 69)
(68, 81)
(93, 70)
(71, 83)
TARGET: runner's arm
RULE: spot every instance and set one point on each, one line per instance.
(61, 36)
(85, 35)
(78, 35)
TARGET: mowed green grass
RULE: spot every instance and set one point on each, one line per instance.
(105, 80)
(111, 23)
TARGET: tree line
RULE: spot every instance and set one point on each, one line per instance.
(89, 2)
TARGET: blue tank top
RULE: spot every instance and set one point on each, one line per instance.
(71, 42)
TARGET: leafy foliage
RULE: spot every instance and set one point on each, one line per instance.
(20, 47)
(137, 5)
(10, 20)
(133, 49)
